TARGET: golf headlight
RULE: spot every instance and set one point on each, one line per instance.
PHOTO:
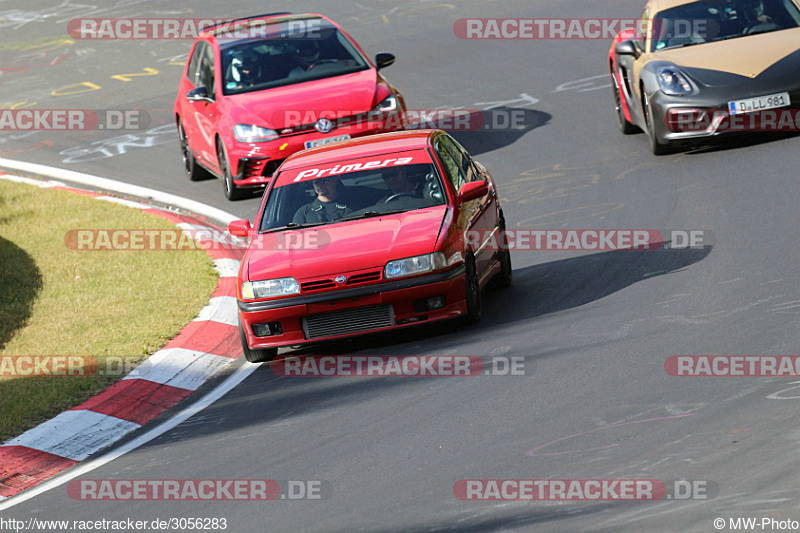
(246, 133)
(270, 288)
(388, 105)
(673, 82)
(414, 265)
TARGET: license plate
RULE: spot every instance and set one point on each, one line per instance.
(759, 103)
(328, 140)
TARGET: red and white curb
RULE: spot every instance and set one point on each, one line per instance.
(204, 347)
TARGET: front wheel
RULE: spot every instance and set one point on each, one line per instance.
(256, 355)
(473, 292)
(193, 171)
(624, 126)
(656, 146)
(232, 192)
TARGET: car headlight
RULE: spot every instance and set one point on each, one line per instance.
(411, 266)
(673, 82)
(246, 133)
(270, 288)
(389, 104)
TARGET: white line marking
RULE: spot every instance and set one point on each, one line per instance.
(220, 309)
(75, 434)
(124, 188)
(226, 386)
(227, 268)
(179, 367)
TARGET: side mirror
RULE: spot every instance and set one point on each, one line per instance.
(240, 228)
(472, 190)
(384, 60)
(626, 48)
(198, 94)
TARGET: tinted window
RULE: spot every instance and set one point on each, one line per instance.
(193, 72)
(366, 192)
(283, 59)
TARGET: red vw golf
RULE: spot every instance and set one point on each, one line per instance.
(259, 89)
(368, 235)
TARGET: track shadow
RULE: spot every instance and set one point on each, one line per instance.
(20, 282)
(735, 141)
(569, 283)
(499, 127)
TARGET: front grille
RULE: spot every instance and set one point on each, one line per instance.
(348, 321)
(365, 278)
(317, 285)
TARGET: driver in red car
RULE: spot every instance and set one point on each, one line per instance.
(399, 183)
(330, 203)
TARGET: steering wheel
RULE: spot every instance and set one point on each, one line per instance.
(398, 195)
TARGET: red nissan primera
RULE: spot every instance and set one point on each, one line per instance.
(259, 89)
(368, 235)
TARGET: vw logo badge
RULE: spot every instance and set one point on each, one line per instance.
(340, 279)
(324, 125)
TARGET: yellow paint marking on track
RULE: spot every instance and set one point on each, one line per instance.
(127, 77)
(89, 87)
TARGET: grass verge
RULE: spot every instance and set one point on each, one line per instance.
(114, 306)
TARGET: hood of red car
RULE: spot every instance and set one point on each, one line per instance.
(344, 247)
(303, 103)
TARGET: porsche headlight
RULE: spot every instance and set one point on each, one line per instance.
(411, 266)
(246, 133)
(673, 82)
(270, 288)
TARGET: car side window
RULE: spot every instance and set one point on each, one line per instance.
(193, 72)
(462, 159)
(642, 28)
(206, 71)
(467, 166)
(451, 166)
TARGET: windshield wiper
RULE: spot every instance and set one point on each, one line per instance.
(372, 214)
(292, 225)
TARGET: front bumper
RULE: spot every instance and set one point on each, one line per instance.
(689, 118)
(256, 162)
(401, 299)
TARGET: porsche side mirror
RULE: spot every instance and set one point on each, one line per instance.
(626, 48)
(472, 190)
(384, 60)
(240, 228)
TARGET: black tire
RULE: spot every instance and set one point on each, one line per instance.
(473, 292)
(193, 171)
(256, 355)
(624, 126)
(656, 146)
(502, 280)
(232, 192)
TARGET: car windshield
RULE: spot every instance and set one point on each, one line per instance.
(716, 20)
(348, 190)
(284, 58)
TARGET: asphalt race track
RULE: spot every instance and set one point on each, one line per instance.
(594, 328)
